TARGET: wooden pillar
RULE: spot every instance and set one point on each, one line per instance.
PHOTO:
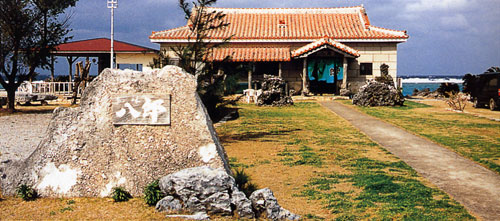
(250, 77)
(279, 70)
(344, 81)
(304, 78)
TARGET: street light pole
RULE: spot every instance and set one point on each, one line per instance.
(112, 4)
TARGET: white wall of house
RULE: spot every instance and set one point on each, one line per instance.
(375, 53)
(136, 58)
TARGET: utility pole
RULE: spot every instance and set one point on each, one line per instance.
(112, 4)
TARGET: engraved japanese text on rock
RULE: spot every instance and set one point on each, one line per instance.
(144, 109)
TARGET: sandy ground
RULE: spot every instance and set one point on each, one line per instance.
(20, 134)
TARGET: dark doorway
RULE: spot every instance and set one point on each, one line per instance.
(324, 74)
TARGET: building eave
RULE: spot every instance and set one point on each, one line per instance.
(181, 41)
(103, 52)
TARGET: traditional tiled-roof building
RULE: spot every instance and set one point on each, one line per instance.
(316, 49)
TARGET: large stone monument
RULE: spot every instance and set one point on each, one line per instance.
(131, 128)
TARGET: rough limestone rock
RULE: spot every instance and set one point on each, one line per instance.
(423, 93)
(196, 216)
(168, 204)
(203, 189)
(265, 204)
(345, 92)
(274, 92)
(378, 94)
(86, 154)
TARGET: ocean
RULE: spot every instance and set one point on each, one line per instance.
(431, 82)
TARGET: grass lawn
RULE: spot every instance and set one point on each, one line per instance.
(321, 167)
(473, 137)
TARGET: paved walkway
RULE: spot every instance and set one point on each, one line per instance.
(474, 186)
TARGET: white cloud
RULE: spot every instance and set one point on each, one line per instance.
(433, 5)
(457, 21)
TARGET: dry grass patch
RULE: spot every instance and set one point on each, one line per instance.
(76, 209)
(440, 105)
(261, 161)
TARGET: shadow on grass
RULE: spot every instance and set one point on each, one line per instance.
(225, 114)
(4, 111)
(32, 109)
(249, 136)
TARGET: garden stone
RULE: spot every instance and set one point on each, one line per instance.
(274, 92)
(194, 204)
(378, 94)
(130, 129)
(243, 204)
(168, 204)
(345, 92)
(196, 216)
(219, 203)
(264, 203)
(205, 189)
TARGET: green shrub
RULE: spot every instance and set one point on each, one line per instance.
(249, 189)
(66, 209)
(153, 193)
(243, 182)
(27, 193)
(119, 194)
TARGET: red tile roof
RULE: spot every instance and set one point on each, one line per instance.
(292, 24)
(251, 54)
(325, 41)
(100, 45)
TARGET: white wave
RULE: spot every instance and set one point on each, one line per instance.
(432, 80)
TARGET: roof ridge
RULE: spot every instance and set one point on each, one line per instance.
(103, 42)
(350, 9)
(387, 30)
(90, 39)
(325, 40)
(168, 30)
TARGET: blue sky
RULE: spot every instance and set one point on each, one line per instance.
(447, 37)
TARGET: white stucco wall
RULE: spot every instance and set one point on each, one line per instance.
(375, 53)
(136, 58)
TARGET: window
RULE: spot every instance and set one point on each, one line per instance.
(493, 83)
(135, 67)
(366, 69)
(173, 61)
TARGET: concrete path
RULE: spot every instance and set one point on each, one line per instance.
(474, 186)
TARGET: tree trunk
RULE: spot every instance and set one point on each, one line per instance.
(11, 98)
(76, 84)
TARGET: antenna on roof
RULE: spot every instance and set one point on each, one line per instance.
(112, 4)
